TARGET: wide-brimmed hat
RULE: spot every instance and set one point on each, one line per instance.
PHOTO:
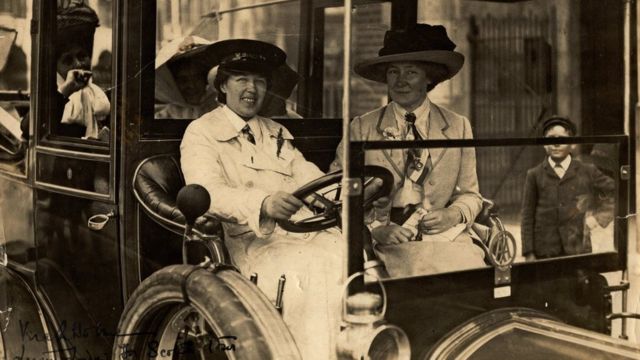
(240, 55)
(184, 49)
(421, 42)
(189, 47)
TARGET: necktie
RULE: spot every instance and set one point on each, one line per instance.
(246, 130)
(410, 118)
(559, 170)
(415, 165)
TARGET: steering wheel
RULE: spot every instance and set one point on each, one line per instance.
(323, 197)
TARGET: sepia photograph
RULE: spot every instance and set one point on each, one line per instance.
(319, 179)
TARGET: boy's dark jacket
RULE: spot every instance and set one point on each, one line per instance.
(553, 209)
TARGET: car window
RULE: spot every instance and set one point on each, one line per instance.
(523, 64)
(83, 71)
(523, 61)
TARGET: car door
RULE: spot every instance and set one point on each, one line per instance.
(75, 197)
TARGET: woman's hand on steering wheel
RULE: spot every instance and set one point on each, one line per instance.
(323, 197)
(280, 205)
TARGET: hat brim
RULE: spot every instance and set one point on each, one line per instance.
(173, 49)
(214, 53)
(375, 69)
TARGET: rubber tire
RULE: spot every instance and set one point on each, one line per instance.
(165, 290)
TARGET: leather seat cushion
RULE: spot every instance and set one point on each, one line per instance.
(158, 182)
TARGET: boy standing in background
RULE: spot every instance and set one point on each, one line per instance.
(556, 197)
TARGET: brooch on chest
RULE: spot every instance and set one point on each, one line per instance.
(279, 143)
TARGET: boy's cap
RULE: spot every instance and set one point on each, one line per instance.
(559, 120)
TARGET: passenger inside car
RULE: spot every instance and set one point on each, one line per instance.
(249, 166)
(423, 228)
(86, 108)
(182, 90)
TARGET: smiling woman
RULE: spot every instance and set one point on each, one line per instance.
(250, 168)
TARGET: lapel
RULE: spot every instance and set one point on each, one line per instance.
(395, 156)
(437, 131)
(262, 156)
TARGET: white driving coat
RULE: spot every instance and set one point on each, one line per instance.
(238, 176)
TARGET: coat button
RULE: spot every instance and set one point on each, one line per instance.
(249, 184)
(432, 182)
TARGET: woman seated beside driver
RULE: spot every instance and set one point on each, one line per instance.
(250, 168)
(441, 184)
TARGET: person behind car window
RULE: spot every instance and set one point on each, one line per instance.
(557, 194)
(441, 183)
(250, 168)
(182, 90)
(79, 108)
(275, 101)
(86, 107)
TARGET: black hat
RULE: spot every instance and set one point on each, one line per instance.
(421, 42)
(239, 55)
(559, 120)
(76, 24)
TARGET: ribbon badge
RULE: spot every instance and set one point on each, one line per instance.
(279, 143)
(391, 133)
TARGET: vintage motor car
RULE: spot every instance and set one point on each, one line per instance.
(106, 254)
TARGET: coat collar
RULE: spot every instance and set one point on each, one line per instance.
(225, 130)
(438, 126)
(574, 165)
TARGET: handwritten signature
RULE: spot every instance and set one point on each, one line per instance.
(215, 344)
(151, 349)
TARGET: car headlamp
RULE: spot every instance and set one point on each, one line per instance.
(365, 334)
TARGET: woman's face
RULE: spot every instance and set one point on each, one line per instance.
(192, 83)
(76, 57)
(407, 82)
(245, 93)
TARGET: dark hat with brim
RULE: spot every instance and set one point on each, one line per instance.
(239, 55)
(419, 43)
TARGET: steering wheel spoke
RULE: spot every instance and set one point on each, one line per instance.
(326, 204)
(323, 197)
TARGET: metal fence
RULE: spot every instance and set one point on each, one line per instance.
(512, 90)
